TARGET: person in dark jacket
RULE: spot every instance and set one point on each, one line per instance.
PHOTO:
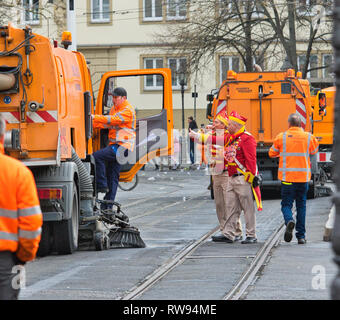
(192, 126)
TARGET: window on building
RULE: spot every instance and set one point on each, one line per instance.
(312, 66)
(177, 66)
(327, 61)
(31, 11)
(227, 7)
(306, 6)
(228, 63)
(153, 10)
(258, 10)
(176, 9)
(315, 7)
(100, 10)
(329, 6)
(236, 7)
(153, 82)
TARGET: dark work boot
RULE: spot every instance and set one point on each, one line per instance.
(289, 231)
(249, 240)
(221, 238)
(302, 241)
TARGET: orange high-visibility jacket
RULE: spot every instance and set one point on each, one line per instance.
(121, 124)
(294, 148)
(20, 213)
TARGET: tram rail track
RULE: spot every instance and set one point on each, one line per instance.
(239, 289)
(259, 260)
(163, 270)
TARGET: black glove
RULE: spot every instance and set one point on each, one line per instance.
(18, 261)
(257, 181)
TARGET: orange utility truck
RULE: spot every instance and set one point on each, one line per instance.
(266, 99)
(323, 127)
(47, 100)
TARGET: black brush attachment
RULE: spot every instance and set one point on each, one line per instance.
(121, 234)
(126, 237)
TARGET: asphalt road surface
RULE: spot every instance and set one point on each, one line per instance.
(172, 210)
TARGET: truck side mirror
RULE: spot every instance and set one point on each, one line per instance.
(87, 111)
(210, 97)
(209, 109)
(322, 104)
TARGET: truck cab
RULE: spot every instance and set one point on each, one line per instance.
(266, 99)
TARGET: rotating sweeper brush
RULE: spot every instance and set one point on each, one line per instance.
(113, 229)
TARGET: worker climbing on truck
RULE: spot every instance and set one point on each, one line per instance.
(121, 123)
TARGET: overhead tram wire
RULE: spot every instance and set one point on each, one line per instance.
(141, 10)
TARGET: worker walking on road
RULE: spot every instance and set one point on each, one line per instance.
(294, 147)
(20, 219)
(121, 123)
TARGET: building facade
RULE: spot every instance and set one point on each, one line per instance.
(120, 34)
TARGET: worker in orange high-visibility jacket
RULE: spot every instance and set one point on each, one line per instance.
(121, 123)
(20, 219)
(294, 147)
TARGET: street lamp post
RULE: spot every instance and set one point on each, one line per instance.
(182, 82)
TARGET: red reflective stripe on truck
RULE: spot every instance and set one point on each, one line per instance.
(42, 116)
(301, 111)
(50, 193)
(322, 156)
(31, 117)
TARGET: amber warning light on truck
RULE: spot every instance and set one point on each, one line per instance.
(66, 39)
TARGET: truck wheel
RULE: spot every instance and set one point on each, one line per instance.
(66, 231)
(45, 244)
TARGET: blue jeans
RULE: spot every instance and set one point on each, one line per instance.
(295, 191)
(107, 170)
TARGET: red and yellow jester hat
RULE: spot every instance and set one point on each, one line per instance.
(222, 116)
(234, 116)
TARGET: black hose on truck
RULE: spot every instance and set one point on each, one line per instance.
(85, 185)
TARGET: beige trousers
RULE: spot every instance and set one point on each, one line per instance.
(220, 185)
(239, 197)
